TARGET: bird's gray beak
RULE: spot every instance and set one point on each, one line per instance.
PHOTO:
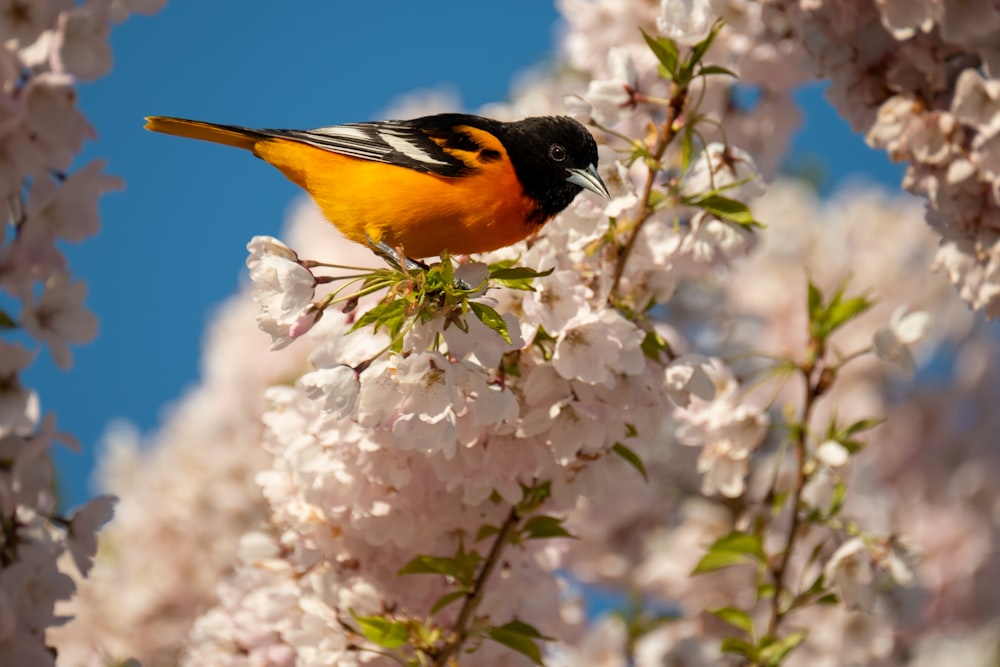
(588, 180)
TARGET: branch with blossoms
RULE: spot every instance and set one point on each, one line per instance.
(804, 516)
(46, 52)
(936, 113)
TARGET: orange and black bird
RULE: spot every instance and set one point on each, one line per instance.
(452, 182)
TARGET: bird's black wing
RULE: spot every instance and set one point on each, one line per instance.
(432, 144)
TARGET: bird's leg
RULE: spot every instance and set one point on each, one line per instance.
(392, 256)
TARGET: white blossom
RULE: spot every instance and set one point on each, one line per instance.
(685, 21)
(892, 343)
(852, 571)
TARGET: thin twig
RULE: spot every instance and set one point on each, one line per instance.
(675, 108)
(813, 392)
(460, 628)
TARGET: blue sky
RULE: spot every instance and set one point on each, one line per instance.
(173, 243)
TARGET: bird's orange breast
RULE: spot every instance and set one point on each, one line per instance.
(481, 210)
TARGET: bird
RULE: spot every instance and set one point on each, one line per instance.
(451, 182)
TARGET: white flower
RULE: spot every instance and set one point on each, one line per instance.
(977, 101)
(619, 182)
(19, 407)
(712, 240)
(69, 210)
(685, 377)
(833, 454)
(593, 349)
(83, 527)
(685, 21)
(557, 299)
(892, 342)
(283, 289)
(262, 246)
(722, 167)
(338, 387)
(473, 275)
(725, 454)
(574, 427)
(903, 18)
(59, 317)
(22, 21)
(609, 97)
(81, 41)
(55, 124)
(727, 431)
(853, 572)
(482, 342)
(426, 419)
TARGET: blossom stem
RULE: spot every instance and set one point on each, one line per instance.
(460, 628)
(814, 382)
(667, 132)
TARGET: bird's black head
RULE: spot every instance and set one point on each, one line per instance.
(555, 158)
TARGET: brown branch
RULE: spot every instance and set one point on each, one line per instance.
(460, 628)
(675, 108)
(816, 383)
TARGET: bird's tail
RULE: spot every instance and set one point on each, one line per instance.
(230, 135)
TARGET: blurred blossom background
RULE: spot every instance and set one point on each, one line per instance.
(167, 401)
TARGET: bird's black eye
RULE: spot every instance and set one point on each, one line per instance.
(557, 152)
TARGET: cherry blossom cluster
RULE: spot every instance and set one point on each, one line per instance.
(693, 397)
(47, 48)
(920, 80)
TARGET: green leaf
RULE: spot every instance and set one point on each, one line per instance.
(837, 502)
(725, 208)
(657, 200)
(518, 277)
(738, 647)
(844, 311)
(631, 458)
(816, 308)
(733, 549)
(502, 264)
(431, 565)
(825, 319)
(687, 146)
(543, 527)
(389, 314)
(447, 599)
(520, 627)
(654, 345)
(765, 591)
(735, 617)
(665, 50)
(709, 70)
(519, 637)
(862, 425)
(775, 652)
(6, 321)
(381, 631)
(461, 567)
(533, 496)
(447, 270)
(699, 49)
(486, 531)
(490, 318)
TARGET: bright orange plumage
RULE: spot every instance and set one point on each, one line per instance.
(451, 182)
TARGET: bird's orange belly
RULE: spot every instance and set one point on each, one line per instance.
(423, 213)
